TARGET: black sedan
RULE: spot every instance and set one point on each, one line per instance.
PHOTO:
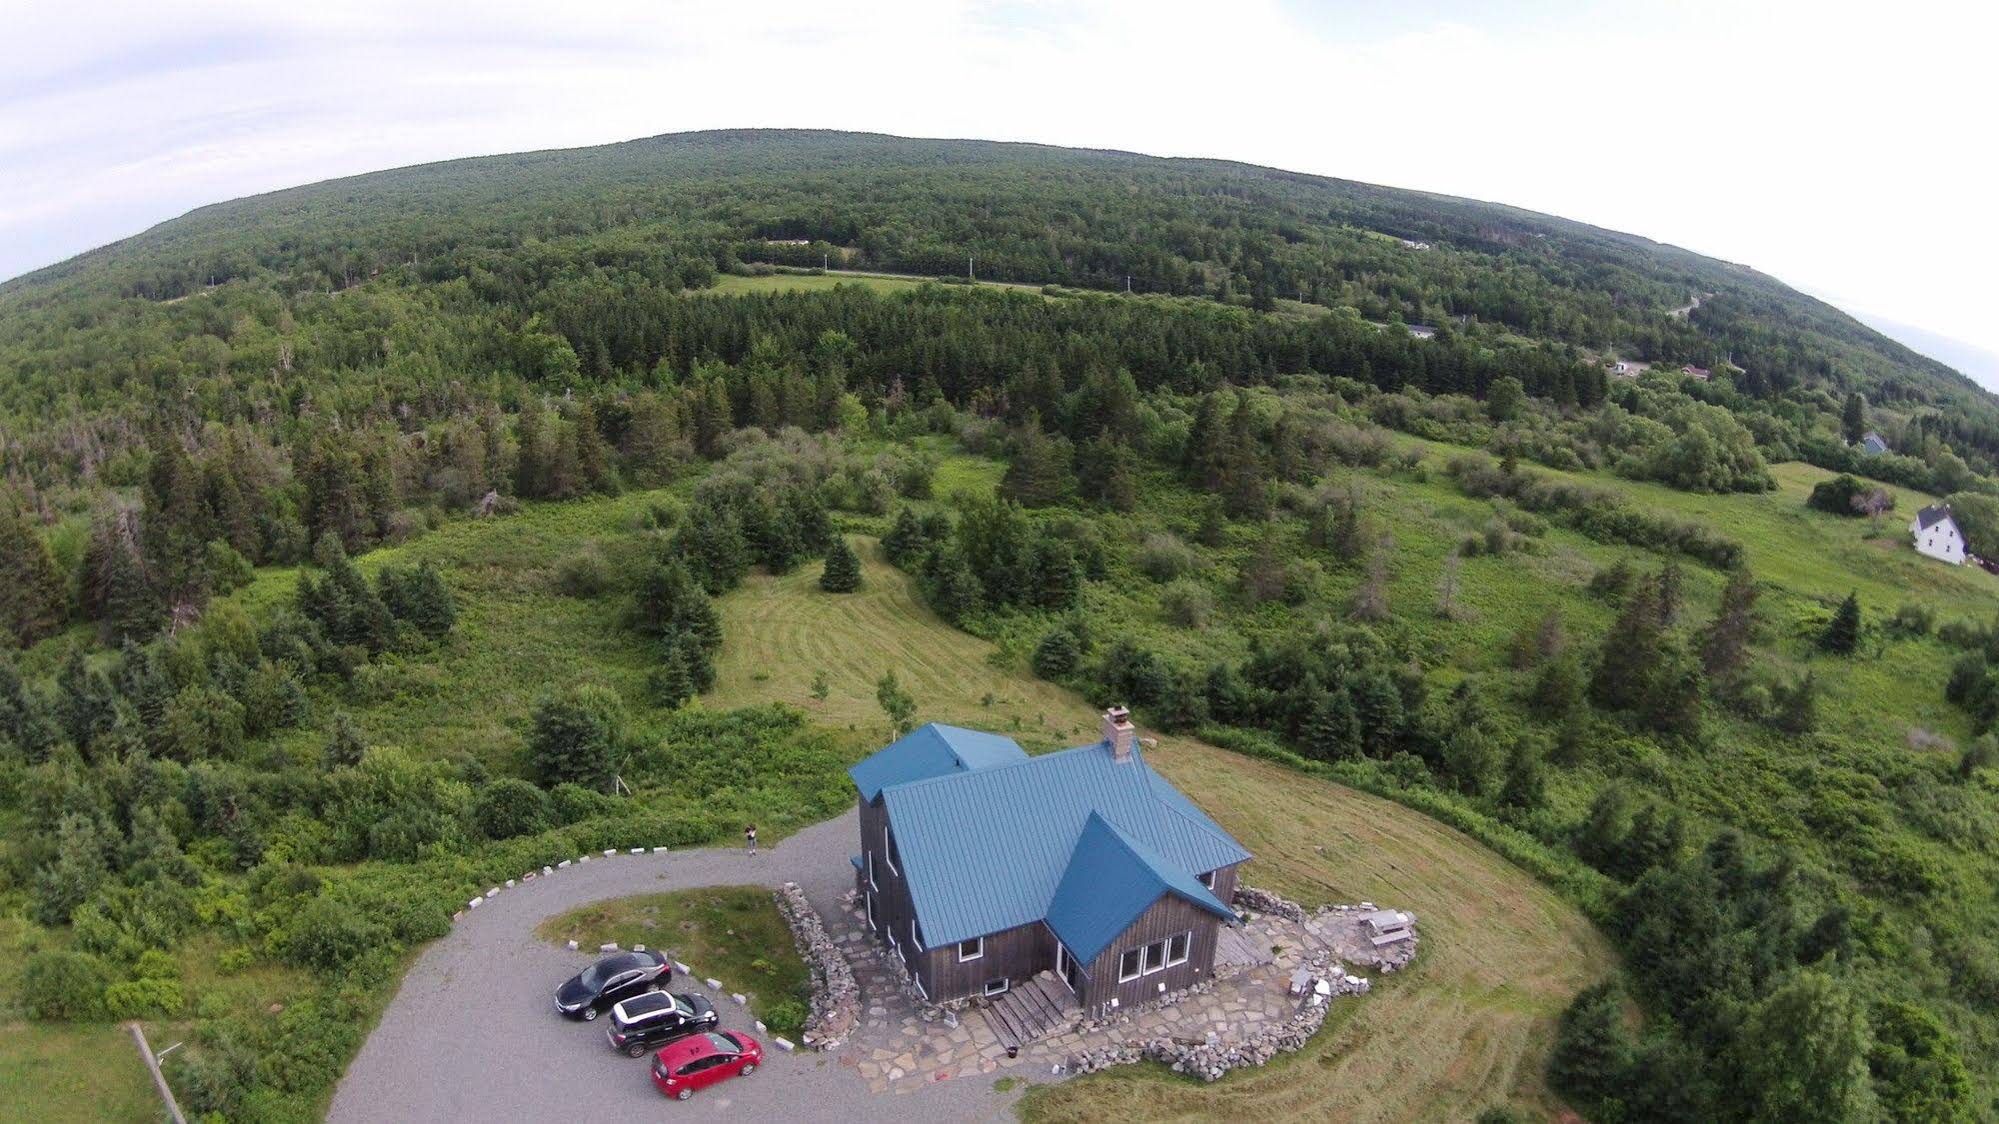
(646, 1022)
(612, 980)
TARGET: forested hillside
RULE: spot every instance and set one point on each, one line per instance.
(354, 538)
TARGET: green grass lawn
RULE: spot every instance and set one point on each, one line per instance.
(81, 1072)
(731, 933)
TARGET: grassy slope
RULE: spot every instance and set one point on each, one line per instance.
(1502, 956)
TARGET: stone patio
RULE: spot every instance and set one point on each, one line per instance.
(903, 1044)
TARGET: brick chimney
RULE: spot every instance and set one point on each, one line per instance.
(1119, 733)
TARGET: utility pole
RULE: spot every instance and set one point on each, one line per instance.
(968, 268)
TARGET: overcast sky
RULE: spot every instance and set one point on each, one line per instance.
(1845, 148)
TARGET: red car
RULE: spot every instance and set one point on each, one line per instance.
(700, 1060)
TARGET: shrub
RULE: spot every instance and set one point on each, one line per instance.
(1163, 557)
(59, 984)
(131, 999)
(1058, 654)
(509, 807)
(585, 574)
(786, 1016)
(1187, 603)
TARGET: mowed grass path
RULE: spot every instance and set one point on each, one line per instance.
(1468, 1026)
(781, 631)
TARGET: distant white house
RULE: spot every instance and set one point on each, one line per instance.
(1937, 534)
(1872, 445)
(1701, 373)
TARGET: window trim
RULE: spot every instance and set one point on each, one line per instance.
(1004, 985)
(1208, 879)
(1186, 947)
(915, 942)
(1150, 967)
(980, 954)
(872, 883)
(1139, 952)
(872, 923)
(888, 852)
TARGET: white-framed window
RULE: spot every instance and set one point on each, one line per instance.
(888, 851)
(998, 986)
(1208, 880)
(1155, 957)
(1129, 964)
(972, 949)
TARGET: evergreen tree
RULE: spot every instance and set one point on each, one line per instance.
(1378, 705)
(1671, 592)
(1593, 1051)
(1853, 418)
(1056, 579)
(1039, 472)
(33, 600)
(575, 738)
(1205, 451)
(1797, 705)
(1842, 634)
(344, 745)
(671, 682)
(1526, 784)
(1725, 647)
(1332, 733)
(1057, 654)
(78, 870)
(905, 542)
(843, 568)
(1630, 653)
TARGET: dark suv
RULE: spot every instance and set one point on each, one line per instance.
(644, 1022)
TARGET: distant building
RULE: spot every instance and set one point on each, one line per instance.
(1872, 445)
(1937, 534)
(1701, 373)
(1421, 331)
(1621, 369)
(1412, 244)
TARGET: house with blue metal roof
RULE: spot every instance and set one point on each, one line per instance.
(981, 866)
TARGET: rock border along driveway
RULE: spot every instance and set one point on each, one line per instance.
(472, 1033)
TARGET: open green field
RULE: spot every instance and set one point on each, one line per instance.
(1467, 1027)
(733, 932)
(60, 1072)
(730, 284)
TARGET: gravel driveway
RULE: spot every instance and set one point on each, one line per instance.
(473, 1035)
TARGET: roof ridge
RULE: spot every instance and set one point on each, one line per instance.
(988, 770)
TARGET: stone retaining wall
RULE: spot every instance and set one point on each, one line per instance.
(836, 998)
(1263, 901)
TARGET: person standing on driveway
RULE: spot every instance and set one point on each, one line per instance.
(750, 838)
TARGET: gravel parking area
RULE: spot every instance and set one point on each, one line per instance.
(473, 1034)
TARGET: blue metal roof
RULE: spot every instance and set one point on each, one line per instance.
(929, 751)
(1111, 880)
(987, 850)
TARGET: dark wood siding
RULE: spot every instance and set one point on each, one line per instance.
(1225, 884)
(1013, 954)
(1164, 918)
(894, 911)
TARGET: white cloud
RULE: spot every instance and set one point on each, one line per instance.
(1834, 144)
